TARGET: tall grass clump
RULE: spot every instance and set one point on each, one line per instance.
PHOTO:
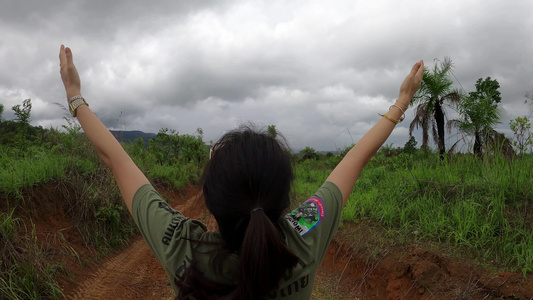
(25, 272)
(96, 208)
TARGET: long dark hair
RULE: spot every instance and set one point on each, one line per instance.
(246, 186)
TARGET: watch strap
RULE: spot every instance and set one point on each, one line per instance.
(75, 103)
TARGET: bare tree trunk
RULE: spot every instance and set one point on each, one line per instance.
(425, 139)
(439, 119)
(477, 145)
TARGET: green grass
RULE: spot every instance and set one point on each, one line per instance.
(483, 205)
(22, 170)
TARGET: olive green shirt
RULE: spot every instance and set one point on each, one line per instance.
(177, 240)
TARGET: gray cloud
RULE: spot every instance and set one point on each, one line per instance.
(319, 72)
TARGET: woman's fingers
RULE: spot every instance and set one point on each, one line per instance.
(412, 82)
(62, 59)
(419, 72)
(69, 74)
(68, 54)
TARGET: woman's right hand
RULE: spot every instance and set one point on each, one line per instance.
(69, 73)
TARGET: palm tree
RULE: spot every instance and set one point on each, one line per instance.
(435, 90)
(480, 113)
(272, 131)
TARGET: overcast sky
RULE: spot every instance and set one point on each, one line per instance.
(318, 70)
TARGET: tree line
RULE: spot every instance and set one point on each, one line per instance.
(478, 112)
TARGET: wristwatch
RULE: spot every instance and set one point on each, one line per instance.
(74, 103)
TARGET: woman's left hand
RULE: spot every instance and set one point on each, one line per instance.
(69, 73)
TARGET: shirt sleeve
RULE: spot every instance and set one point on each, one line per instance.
(163, 228)
(317, 219)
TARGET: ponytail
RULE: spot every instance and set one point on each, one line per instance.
(264, 259)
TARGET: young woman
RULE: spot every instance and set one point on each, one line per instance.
(259, 252)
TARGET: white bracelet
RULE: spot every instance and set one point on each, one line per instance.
(403, 112)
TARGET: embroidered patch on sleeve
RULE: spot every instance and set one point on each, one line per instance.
(307, 216)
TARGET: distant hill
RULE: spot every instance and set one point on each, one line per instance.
(130, 136)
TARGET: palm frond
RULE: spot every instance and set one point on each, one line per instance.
(452, 148)
(422, 119)
(435, 133)
(452, 124)
(498, 142)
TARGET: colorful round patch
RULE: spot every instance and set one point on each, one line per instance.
(307, 216)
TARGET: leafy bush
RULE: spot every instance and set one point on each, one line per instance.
(171, 158)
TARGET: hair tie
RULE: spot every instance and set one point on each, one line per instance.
(255, 209)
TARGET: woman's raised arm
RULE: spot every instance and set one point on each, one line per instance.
(127, 175)
(348, 170)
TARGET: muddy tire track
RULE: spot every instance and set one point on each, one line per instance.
(132, 274)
